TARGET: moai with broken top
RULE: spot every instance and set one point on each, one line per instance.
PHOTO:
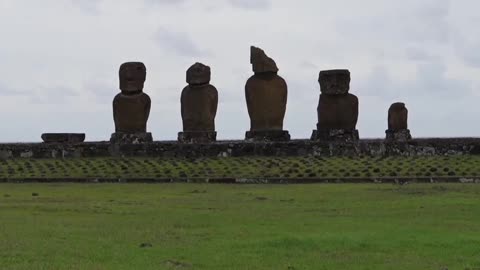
(337, 109)
(131, 107)
(398, 123)
(266, 96)
(199, 101)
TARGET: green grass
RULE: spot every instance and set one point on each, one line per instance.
(195, 226)
(243, 167)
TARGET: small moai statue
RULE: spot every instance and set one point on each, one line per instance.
(398, 123)
(131, 107)
(266, 96)
(199, 103)
(337, 109)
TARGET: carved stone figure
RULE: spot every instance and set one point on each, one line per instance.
(266, 96)
(131, 107)
(397, 116)
(199, 103)
(337, 109)
(398, 123)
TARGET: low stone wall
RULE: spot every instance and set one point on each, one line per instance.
(369, 147)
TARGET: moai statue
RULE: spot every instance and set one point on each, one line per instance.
(266, 95)
(131, 107)
(199, 102)
(397, 123)
(337, 109)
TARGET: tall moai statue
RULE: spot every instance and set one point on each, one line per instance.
(337, 109)
(131, 107)
(199, 103)
(266, 95)
(398, 123)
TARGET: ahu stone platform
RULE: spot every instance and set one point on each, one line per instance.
(363, 147)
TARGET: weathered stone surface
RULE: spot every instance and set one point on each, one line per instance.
(341, 135)
(131, 138)
(63, 137)
(266, 96)
(131, 108)
(241, 148)
(337, 112)
(267, 135)
(198, 74)
(261, 63)
(334, 82)
(132, 76)
(399, 135)
(199, 101)
(397, 117)
(197, 136)
(131, 112)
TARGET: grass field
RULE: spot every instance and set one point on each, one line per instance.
(195, 226)
(243, 167)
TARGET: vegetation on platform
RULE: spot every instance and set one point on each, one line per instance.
(243, 167)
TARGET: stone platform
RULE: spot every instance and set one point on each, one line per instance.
(345, 135)
(241, 148)
(63, 137)
(197, 136)
(267, 135)
(398, 135)
(131, 138)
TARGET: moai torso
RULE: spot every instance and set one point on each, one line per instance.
(130, 112)
(397, 117)
(199, 100)
(266, 94)
(131, 107)
(337, 109)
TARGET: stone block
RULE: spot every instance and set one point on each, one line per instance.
(398, 135)
(131, 138)
(334, 82)
(267, 135)
(63, 137)
(345, 135)
(197, 136)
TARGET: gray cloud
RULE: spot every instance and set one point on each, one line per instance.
(421, 52)
(251, 4)
(7, 91)
(165, 2)
(88, 6)
(466, 48)
(430, 82)
(178, 42)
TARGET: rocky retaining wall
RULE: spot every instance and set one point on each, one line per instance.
(369, 147)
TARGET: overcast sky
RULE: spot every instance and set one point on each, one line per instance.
(59, 61)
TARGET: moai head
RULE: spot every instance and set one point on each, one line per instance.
(132, 77)
(397, 117)
(334, 82)
(261, 63)
(198, 74)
